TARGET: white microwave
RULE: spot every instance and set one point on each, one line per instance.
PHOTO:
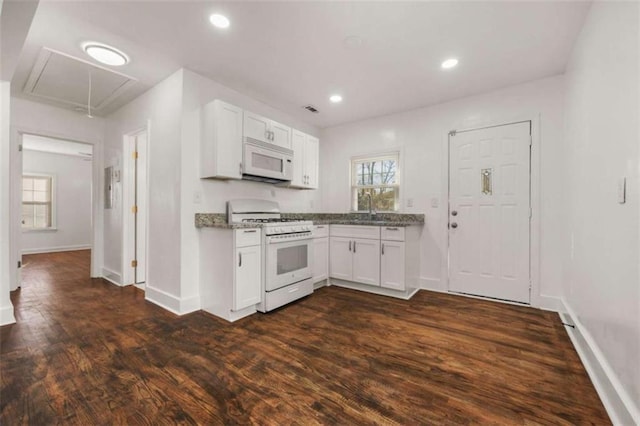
(266, 162)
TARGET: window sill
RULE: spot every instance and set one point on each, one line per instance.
(30, 230)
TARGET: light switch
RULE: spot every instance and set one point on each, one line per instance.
(622, 190)
(434, 203)
(409, 202)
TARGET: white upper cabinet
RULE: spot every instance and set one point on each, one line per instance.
(266, 130)
(221, 141)
(305, 160)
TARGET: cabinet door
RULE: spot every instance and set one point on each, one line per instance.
(320, 259)
(340, 258)
(256, 127)
(366, 261)
(392, 263)
(280, 135)
(311, 160)
(298, 140)
(246, 289)
(221, 141)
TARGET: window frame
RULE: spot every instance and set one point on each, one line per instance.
(52, 203)
(353, 177)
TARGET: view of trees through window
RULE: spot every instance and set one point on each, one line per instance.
(36, 201)
(378, 177)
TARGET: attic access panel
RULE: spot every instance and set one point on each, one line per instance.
(64, 79)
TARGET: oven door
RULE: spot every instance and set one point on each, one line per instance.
(288, 262)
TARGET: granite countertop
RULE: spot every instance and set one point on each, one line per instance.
(219, 220)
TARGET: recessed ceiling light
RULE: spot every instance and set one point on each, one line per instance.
(335, 98)
(105, 54)
(450, 63)
(219, 21)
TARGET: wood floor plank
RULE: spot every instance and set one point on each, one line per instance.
(84, 351)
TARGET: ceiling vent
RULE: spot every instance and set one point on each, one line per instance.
(64, 79)
(311, 108)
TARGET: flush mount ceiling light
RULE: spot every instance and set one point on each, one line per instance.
(219, 21)
(335, 99)
(449, 63)
(105, 54)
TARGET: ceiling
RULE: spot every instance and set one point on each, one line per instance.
(56, 146)
(290, 54)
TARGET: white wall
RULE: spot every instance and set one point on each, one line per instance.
(72, 175)
(198, 91)
(161, 107)
(6, 308)
(421, 135)
(602, 281)
(46, 120)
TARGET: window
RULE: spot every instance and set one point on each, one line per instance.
(378, 176)
(37, 202)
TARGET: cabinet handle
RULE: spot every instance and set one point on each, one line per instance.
(272, 135)
(354, 246)
(349, 245)
(392, 229)
(250, 231)
(239, 259)
(382, 248)
(319, 226)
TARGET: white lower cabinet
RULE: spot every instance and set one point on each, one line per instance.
(230, 271)
(352, 258)
(320, 259)
(392, 265)
(246, 288)
(386, 258)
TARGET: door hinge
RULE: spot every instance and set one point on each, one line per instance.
(134, 263)
(452, 133)
(134, 209)
(19, 264)
(135, 155)
(20, 147)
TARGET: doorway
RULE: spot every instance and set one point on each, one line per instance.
(490, 212)
(135, 208)
(53, 193)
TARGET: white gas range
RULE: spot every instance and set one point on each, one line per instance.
(287, 251)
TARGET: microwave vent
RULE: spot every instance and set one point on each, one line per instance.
(311, 108)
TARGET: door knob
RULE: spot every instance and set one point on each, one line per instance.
(454, 225)
(454, 213)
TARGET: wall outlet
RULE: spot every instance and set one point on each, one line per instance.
(197, 197)
(434, 203)
(409, 202)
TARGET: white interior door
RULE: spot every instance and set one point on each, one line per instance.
(141, 203)
(489, 212)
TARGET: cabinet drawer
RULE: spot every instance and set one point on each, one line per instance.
(282, 296)
(392, 233)
(355, 231)
(320, 231)
(248, 237)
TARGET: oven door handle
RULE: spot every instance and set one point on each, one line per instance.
(239, 259)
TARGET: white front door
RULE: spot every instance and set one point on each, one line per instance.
(489, 212)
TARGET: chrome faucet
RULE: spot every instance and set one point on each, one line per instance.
(372, 212)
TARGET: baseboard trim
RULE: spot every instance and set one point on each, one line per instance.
(619, 405)
(404, 295)
(56, 249)
(549, 303)
(112, 276)
(171, 303)
(433, 284)
(6, 315)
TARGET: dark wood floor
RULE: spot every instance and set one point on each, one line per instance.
(86, 352)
